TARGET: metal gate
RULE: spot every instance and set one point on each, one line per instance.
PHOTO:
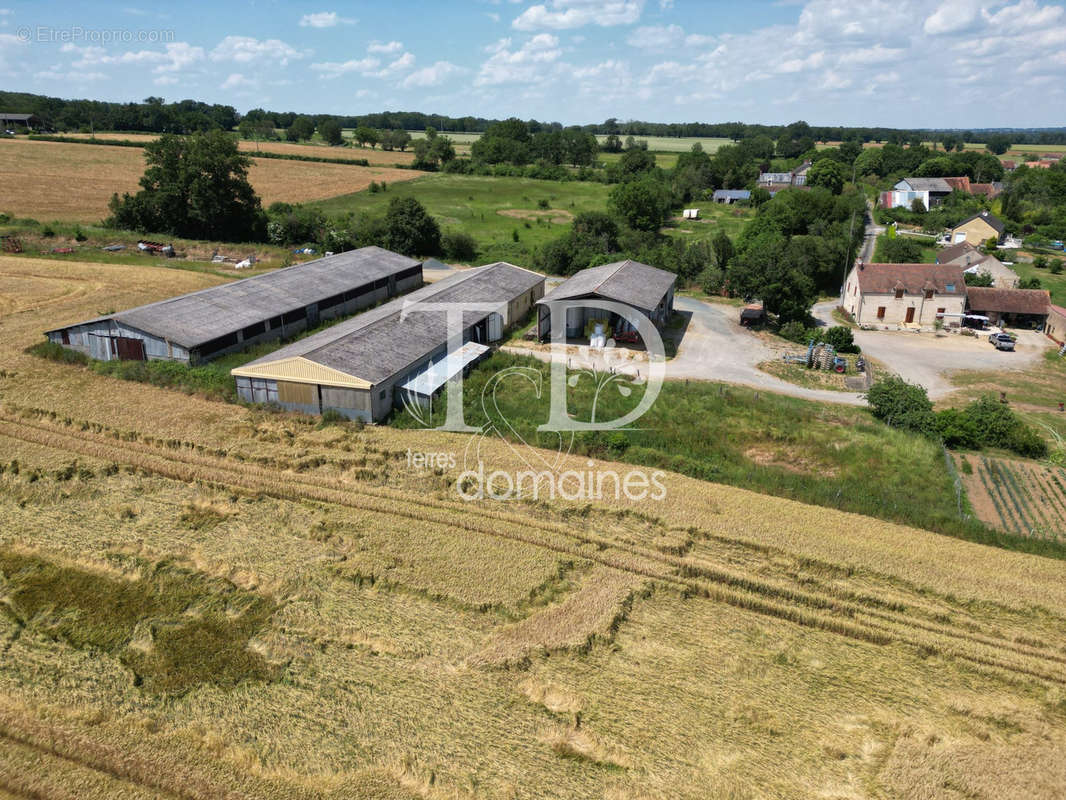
(129, 349)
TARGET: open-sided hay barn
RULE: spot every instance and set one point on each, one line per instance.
(394, 354)
(202, 325)
(647, 289)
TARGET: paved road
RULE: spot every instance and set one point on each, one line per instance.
(869, 242)
(928, 359)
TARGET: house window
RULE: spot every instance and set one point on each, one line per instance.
(899, 294)
(880, 312)
(384, 393)
(950, 287)
(928, 294)
(940, 312)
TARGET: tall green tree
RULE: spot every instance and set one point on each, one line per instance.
(331, 132)
(642, 204)
(195, 187)
(409, 229)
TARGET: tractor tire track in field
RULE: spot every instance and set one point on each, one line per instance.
(861, 617)
(49, 744)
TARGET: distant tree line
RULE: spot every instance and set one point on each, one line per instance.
(187, 116)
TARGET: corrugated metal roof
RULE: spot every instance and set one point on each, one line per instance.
(299, 370)
(732, 194)
(624, 281)
(927, 185)
(438, 373)
(378, 344)
(193, 319)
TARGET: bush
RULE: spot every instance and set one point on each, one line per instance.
(902, 405)
(1040, 262)
(999, 426)
(1056, 266)
(957, 429)
(711, 280)
(57, 352)
(459, 246)
(840, 337)
(796, 332)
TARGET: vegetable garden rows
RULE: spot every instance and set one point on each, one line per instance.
(1029, 499)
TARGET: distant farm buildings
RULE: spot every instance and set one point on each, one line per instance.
(397, 354)
(197, 327)
(730, 196)
(9, 121)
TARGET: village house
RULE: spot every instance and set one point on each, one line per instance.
(916, 295)
(931, 191)
(978, 228)
(973, 261)
(1055, 324)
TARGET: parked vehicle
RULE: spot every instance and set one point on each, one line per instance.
(1002, 341)
(840, 364)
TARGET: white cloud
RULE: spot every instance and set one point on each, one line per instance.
(401, 64)
(165, 80)
(951, 16)
(656, 37)
(385, 48)
(873, 55)
(245, 49)
(493, 16)
(524, 65)
(434, 75)
(324, 19)
(498, 45)
(1026, 15)
(175, 57)
(565, 14)
(236, 81)
(812, 61)
(334, 69)
(77, 76)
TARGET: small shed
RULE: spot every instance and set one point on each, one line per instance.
(730, 196)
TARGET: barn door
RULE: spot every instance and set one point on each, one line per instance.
(910, 314)
(129, 349)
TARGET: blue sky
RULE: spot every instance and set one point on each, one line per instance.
(905, 63)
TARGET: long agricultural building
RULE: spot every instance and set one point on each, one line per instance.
(202, 325)
(395, 354)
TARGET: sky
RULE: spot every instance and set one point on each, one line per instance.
(898, 63)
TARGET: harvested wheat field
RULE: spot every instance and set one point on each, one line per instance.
(376, 157)
(74, 182)
(201, 599)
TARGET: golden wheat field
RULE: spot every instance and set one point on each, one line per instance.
(200, 600)
(375, 156)
(74, 182)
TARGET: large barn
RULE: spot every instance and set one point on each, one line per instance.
(647, 289)
(202, 325)
(388, 357)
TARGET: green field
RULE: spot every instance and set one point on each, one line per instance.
(713, 218)
(657, 144)
(816, 453)
(492, 210)
(662, 159)
(1056, 284)
(928, 249)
